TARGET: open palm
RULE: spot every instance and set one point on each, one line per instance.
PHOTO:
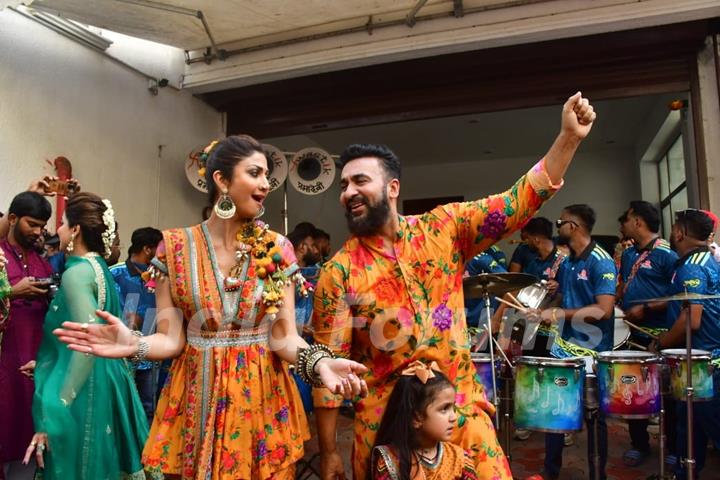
(342, 377)
(110, 340)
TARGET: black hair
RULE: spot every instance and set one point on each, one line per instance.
(321, 234)
(584, 212)
(30, 204)
(389, 161)
(225, 155)
(409, 401)
(297, 236)
(695, 223)
(539, 226)
(144, 237)
(87, 210)
(305, 227)
(647, 212)
(52, 240)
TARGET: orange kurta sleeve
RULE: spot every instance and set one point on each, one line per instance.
(332, 322)
(483, 222)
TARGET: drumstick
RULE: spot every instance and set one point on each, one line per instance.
(655, 337)
(510, 304)
(637, 345)
(512, 297)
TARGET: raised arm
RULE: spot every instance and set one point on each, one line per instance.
(483, 222)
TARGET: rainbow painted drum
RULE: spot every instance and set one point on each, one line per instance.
(629, 384)
(702, 373)
(549, 394)
(483, 368)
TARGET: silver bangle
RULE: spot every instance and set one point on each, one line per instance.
(143, 348)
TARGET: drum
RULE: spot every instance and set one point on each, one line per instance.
(622, 331)
(483, 368)
(629, 384)
(702, 373)
(549, 394)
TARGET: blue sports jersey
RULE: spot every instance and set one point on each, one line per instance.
(522, 255)
(698, 272)
(652, 279)
(582, 278)
(498, 255)
(542, 267)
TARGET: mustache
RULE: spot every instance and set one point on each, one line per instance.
(355, 198)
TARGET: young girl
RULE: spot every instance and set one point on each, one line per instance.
(413, 442)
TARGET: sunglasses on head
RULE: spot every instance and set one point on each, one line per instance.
(560, 222)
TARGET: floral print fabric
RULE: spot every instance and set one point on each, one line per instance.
(229, 408)
(386, 305)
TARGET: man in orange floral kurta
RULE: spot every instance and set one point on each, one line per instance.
(393, 293)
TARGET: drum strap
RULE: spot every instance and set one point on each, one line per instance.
(556, 265)
(561, 348)
(636, 266)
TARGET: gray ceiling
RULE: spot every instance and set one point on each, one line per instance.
(506, 134)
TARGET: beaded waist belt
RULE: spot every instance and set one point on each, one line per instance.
(229, 338)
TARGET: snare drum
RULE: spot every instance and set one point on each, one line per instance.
(622, 332)
(629, 384)
(483, 368)
(549, 394)
(702, 373)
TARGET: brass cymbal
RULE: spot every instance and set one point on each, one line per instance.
(496, 283)
(678, 297)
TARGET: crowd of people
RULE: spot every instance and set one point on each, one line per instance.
(200, 355)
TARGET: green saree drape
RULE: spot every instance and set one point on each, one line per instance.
(88, 406)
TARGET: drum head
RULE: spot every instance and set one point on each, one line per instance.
(682, 353)
(622, 331)
(551, 362)
(477, 357)
(627, 356)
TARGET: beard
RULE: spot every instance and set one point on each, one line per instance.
(311, 258)
(23, 241)
(371, 222)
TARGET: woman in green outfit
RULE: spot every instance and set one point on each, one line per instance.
(88, 417)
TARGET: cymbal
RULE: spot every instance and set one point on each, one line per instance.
(679, 297)
(496, 283)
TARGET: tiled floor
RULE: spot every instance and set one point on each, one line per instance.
(527, 456)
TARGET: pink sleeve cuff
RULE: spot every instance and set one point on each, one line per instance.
(540, 180)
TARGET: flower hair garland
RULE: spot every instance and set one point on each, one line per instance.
(108, 236)
(203, 157)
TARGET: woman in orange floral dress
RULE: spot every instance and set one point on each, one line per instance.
(225, 299)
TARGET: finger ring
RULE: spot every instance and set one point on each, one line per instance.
(84, 327)
(41, 447)
(32, 444)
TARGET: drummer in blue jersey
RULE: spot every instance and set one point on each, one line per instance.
(544, 265)
(522, 254)
(696, 272)
(586, 318)
(645, 272)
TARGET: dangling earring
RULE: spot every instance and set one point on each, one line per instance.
(225, 207)
(261, 212)
(71, 245)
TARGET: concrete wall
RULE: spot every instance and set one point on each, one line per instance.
(60, 98)
(606, 179)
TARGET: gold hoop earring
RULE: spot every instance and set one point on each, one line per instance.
(224, 207)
